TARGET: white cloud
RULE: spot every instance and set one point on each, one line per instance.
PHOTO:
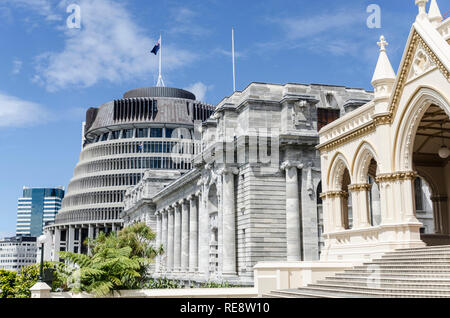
(15, 112)
(199, 90)
(110, 46)
(17, 67)
(44, 8)
(342, 31)
(184, 21)
(306, 27)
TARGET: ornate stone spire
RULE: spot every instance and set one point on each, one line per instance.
(422, 8)
(434, 14)
(384, 76)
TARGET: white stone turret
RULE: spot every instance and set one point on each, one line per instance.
(422, 4)
(434, 14)
(384, 76)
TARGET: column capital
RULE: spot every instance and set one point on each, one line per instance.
(291, 164)
(439, 198)
(334, 194)
(397, 176)
(359, 187)
(227, 169)
(192, 197)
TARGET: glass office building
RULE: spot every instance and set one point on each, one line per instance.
(36, 208)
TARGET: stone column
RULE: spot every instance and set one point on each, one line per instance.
(193, 234)
(158, 241)
(164, 243)
(56, 244)
(70, 239)
(177, 239)
(203, 237)
(360, 205)
(292, 210)
(184, 236)
(229, 267)
(170, 241)
(337, 210)
(408, 188)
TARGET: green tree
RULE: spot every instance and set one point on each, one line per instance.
(118, 261)
(27, 278)
(7, 284)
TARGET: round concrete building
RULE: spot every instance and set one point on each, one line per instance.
(149, 129)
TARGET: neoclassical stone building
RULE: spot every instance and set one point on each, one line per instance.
(253, 192)
(375, 160)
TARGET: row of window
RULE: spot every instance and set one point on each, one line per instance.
(105, 181)
(90, 215)
(136, 133)
(94, 198)
(173, 147)
(154, 163)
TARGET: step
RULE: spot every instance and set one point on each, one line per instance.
(407, 266)
(444, 282)
(380, 291)
(288, 294)
(406, 277)
(310, 293)
(416, 254)
(439, 287)
(393, 271)
(409, 262)
(338, 293)
(414, 257)
(427, 248)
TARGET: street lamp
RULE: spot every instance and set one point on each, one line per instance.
(42, 240)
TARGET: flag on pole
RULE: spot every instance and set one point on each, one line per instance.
(157, 47)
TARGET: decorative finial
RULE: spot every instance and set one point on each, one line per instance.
(422, 7)
(434, 14)
(382, 44)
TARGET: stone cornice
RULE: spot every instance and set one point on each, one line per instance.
(348, 137)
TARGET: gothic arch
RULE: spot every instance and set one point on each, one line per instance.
(409, 123)
(362, 160)
(336, 172)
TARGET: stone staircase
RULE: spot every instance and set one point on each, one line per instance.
(406, 273)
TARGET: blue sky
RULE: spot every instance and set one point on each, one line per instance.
(50, 74)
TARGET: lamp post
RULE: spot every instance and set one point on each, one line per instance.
(42, 240)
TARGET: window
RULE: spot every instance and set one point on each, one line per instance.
(326, 116)
(127, 133)
(142, 133)
(105, 137)
(169, 132)
(115, 135)
(156, 132)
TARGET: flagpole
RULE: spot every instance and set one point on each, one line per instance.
(234, 63)
(160, 80)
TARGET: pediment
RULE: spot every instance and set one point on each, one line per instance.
(418, 60)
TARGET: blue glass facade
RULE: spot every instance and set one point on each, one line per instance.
(37, 207)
